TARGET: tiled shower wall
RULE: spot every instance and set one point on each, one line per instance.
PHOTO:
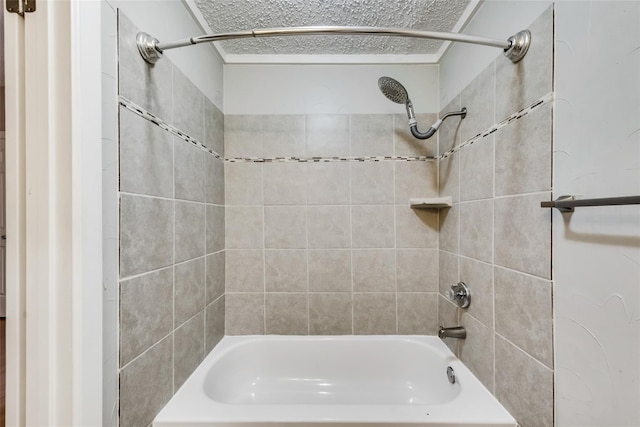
(496, 238)
(171, 298)
(329, 247)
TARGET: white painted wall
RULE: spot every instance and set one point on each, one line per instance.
(597, 250)
(169, 20)
(496, 19)
(325, 89)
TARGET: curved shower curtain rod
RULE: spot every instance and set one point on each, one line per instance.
(515, 47)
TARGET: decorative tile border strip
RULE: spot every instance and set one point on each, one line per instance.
(177, 132)
(131, 106)
(512, 118)
(329, 159)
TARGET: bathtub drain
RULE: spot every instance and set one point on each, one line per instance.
(451, 375)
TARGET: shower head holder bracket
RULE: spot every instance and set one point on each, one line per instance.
(518, 46)
(147, 46)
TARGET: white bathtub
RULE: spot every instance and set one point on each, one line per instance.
(346, 380)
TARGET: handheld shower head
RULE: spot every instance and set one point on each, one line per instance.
(395, 92)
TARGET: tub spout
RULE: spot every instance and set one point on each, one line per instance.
(455, 332)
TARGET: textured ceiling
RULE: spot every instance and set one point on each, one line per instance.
(236, 15)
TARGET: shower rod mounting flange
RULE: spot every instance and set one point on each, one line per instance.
(515, 48)
(147, 48)
(518, 45)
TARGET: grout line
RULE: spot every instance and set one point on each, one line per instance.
(493, 238)
(353, 326)
(264, 254)
(530, 356)
(135, 276)
(151, 347)
(395, 248)
(306, 250)
(173, 319)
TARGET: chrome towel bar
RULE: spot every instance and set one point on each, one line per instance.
(568, 203)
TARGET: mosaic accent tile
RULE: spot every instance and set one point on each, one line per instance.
(130, 105)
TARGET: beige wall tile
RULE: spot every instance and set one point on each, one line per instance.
(476, 170)
(285, 227)
(285, 270)
(374, 270)
(477, 350)
(478, 97)
(372, 183)
(215, 279)
(374, 314)
(285, 184)
(524, 313)
(146, 157)
(415, 179)
(146, 384)
(372, 226)
(213, 127)
(214, 324)
(476, 230)
(243, 184)
(523, 154)
(449, 223)
(188, 349)
(190, 231)
(242, 136)
(146, 312)
(146, 234)
(330, 314)
(327, 135)
(417, 270)
(449, 176)
(524, 386)
(417, 313)
(416, 228)
(215, 228)
(188, 106)
(329, 227)
(448, 271)
(286, 314)
(244, 227)
(328, 183)
(371, 134)
(329, 270)
(189, 288)
(479, 278)
(244, 313)
(244, 271)
(214, 180)
(283, 135)
(523, 234)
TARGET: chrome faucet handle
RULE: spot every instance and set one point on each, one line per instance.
(460, 294)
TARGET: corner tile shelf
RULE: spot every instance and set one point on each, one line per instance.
(431, 202)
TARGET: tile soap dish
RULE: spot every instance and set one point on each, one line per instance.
(431, 202)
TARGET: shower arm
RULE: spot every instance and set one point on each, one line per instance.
(515, 48)
(413, 123)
